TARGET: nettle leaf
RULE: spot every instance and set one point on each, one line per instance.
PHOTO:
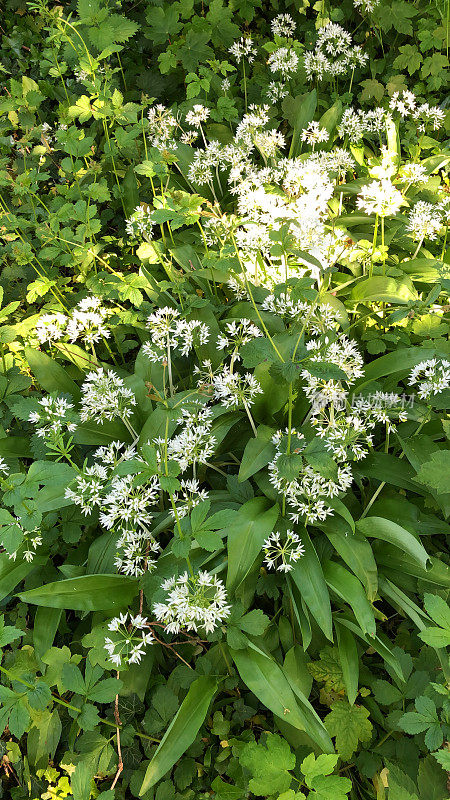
(434, 473)
(40, 696)
(325, 370)
(8, 633)
(269, 764)
(72, 679)
(443, 758)
(350, 725)
(255, 622)
(256, 351)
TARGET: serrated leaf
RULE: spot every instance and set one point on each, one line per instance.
(269, 764)
(350, 725)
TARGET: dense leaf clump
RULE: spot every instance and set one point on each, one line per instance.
(224, 383)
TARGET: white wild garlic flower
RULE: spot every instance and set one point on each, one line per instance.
(128, 641)
(431, 377)
(281, 553)
(105, 397)
(193, 603)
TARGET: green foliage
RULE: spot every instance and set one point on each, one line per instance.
(327, 676)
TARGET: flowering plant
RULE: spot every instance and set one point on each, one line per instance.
(225, 393)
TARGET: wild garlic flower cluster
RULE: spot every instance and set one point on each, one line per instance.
(237, 333)
(432, 377)
(235, 390)
(315, 319)
(283, 60)
(305, 489)
(314, 134)
(195, 443)
(188, 497)
(88, 488)
(243, 49)
(283, 25)
(127, 506)
(169, 333)
(105, 397)
(54, 418)
(140, 223)
(425, 220)
(355, 123)
(193, 602)
(423, 115)
(334, 54)
(128, 640)
(348, 434)
(86, 322)
(344, 354)
(281, 553)
(162, 127)
(380, 197)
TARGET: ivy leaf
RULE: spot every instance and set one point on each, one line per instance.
(350, 725)
(269, 764)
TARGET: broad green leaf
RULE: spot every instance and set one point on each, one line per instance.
(299, 111)
(308, 577)
(266, 679)
(388, 531)
(355, 550)
(348, 656)
(51, 375)
(181, 732)
(381, 289)
(46, 621)
(253, 523)
(257, 454)
(87, 593)
(341, 581)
